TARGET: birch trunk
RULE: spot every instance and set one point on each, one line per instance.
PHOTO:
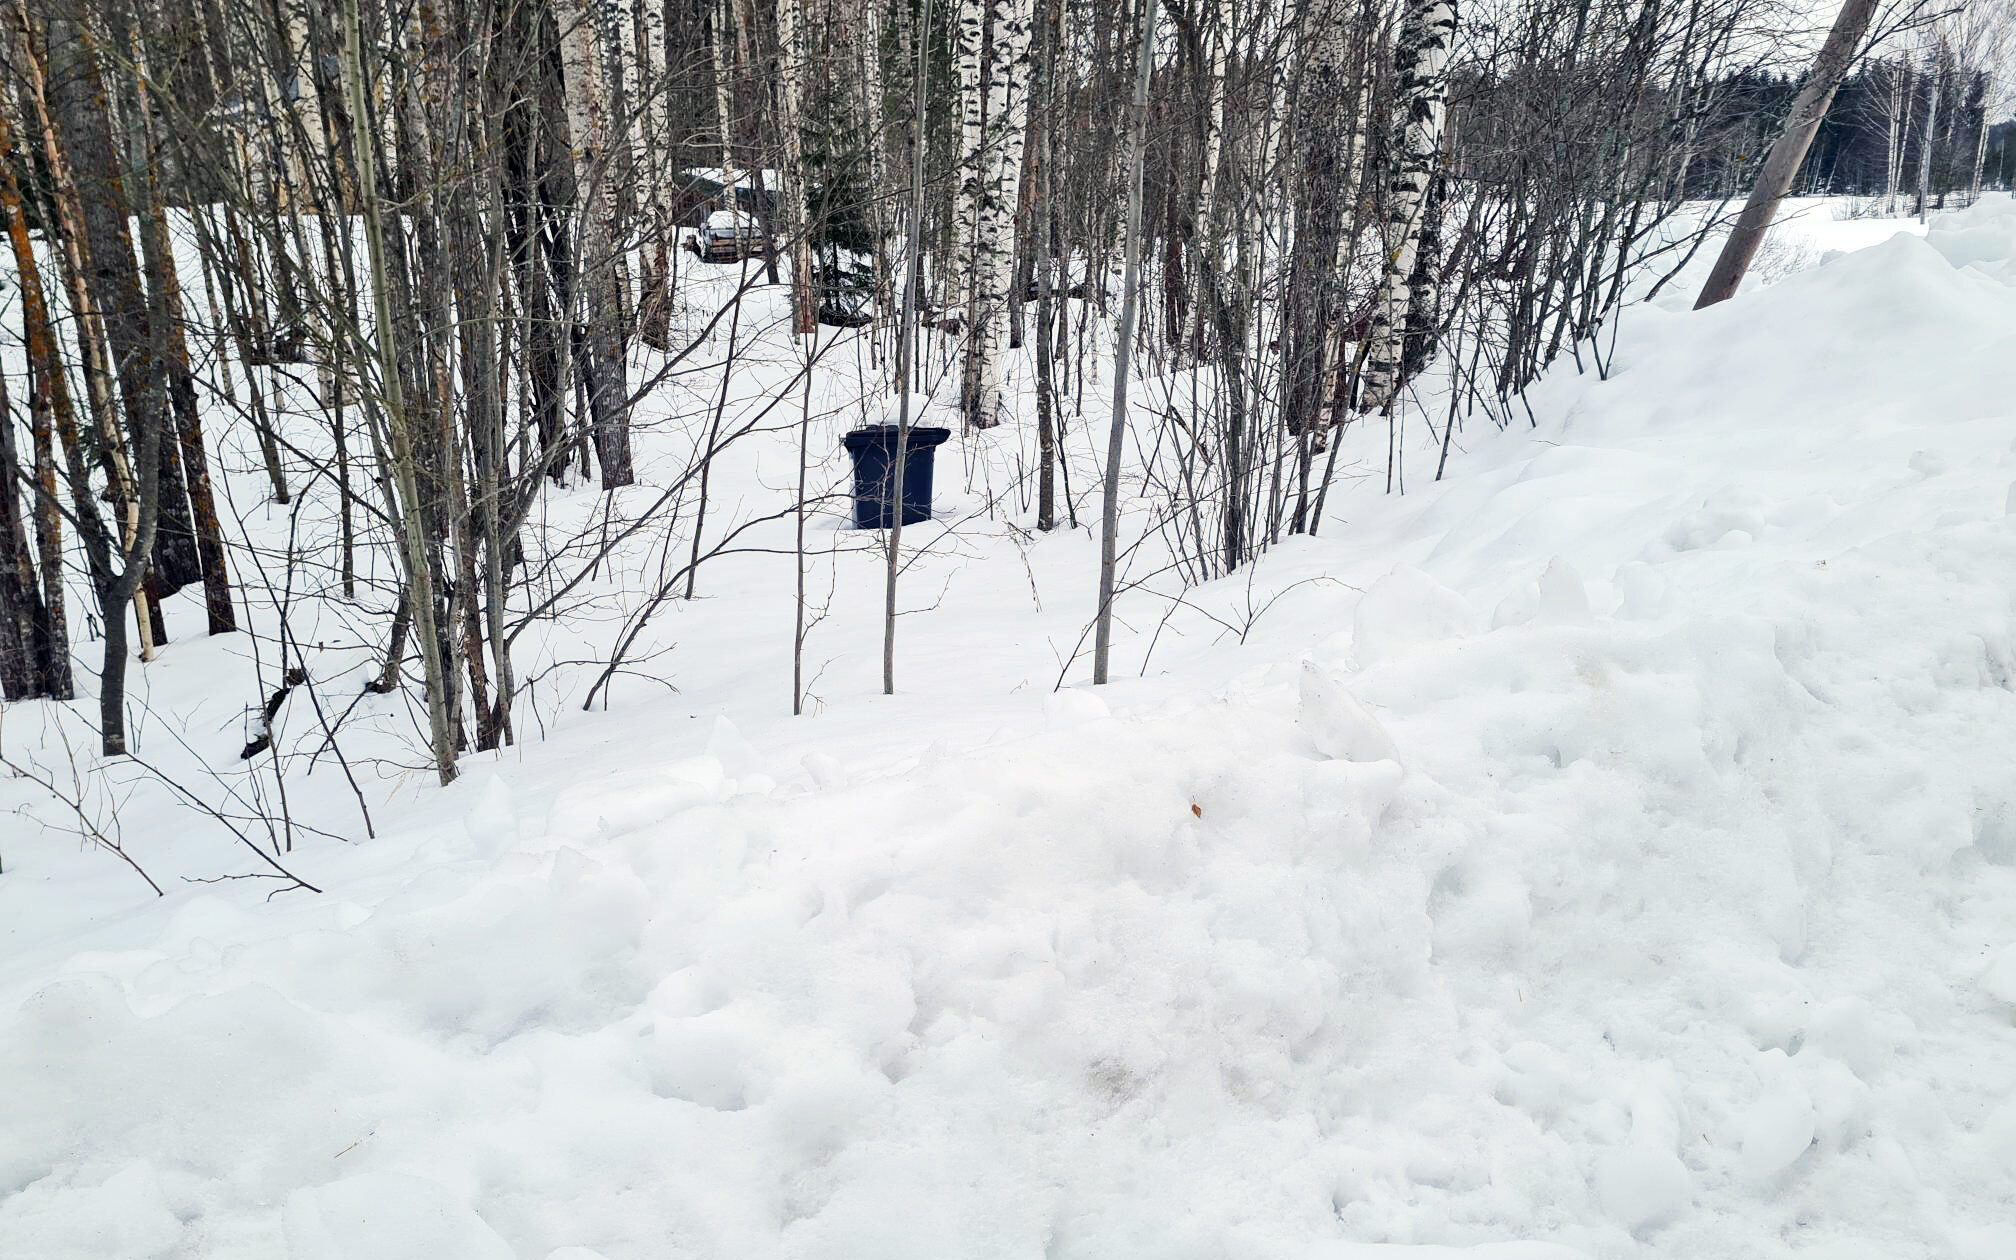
(1931, 140)
(1218, 31)
(1421, 92)
(599, 293)
(654, 147)
(720, 46)
(956, 286)
(791, 198)
(1006, 134)
(1898, 72)
(1980, 144)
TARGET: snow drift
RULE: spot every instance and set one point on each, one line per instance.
(1615, 856)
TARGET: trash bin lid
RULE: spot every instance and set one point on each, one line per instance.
(922, 437)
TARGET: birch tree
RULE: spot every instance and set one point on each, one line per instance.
(955, 279)
(1421, 94)
(599, 303)
(999, 194)
(791, 193)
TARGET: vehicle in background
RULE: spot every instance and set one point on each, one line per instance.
(727, 236)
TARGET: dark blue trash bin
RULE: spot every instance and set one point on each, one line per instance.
(874, 452)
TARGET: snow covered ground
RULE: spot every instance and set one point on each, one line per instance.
(1608, 851)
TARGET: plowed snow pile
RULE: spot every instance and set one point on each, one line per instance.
(1615, 858)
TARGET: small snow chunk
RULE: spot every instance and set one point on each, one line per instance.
(1776, 1133)
(1846, 1029)
(1342, 728)
(125, 1216)
(737, 755)
(1563, 597)
(492, 822)
(1073, 706)
(1641, 591)
(1990, 1242)
(825, 770)
(1640, 1187)
(386, 1216)
(1999, 981)
(1404, 610)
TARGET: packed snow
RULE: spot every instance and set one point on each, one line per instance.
(1606, 851)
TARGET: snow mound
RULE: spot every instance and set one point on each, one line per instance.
(1680, 929)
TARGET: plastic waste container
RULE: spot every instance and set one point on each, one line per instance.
(874, 453)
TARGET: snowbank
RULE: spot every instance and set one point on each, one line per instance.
(1615, 856)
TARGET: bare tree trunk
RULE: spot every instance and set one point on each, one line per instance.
(1116, 438)
(1781, 166)
(49, 409)
(166, 312)
(1422, 94)
(598, 260)
(956, 279)
(1931, 140)
(412, 534)
(721, 47)
(654, 147)
(791, 190)
(913, 281)
(1048, 450)
(1980, 145)
(1006, 131)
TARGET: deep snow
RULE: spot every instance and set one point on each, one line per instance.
(1608, 851)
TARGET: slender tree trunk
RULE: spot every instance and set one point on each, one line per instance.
(1006, 131)
(1116, 439)
(598, 260)
(956, 280)
(166, 312)
(913, 280)
(1422, 92)
(1931, 140)
(412, 534)
(22, 615)
(1774, 180)
(791, 197)
(1048, 450)
(49, 410)
(1980, 145)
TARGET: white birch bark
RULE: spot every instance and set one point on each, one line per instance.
(619, 20)
(1421, 92)
(1007, 134)
(598, 296)
(1218, 32)
(791, 196)
(295, 149)
(969, 37)
(869, 50)
(657, 110)
(879, 192)
(587, 120)
(1899, 74)
(1981, 143)
(1931, 136)
(722, 48)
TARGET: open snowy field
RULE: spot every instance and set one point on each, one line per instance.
(1606, 852)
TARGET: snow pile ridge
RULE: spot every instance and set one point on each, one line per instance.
(1612, 856)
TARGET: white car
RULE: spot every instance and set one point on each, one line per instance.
(729, 236)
